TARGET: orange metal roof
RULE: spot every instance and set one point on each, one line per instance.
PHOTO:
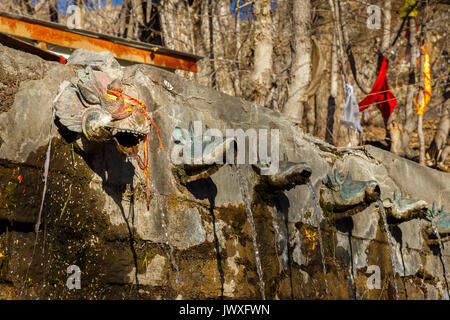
(74, 38)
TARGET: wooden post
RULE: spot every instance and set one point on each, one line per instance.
(420, 117)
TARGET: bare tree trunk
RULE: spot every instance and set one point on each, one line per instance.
(201, 32)
(176, 25)
(421, 138)
(236, 66)
(224, 39)
(211, 42)
(436, 151)
(262, 70)
(345, 45)
(334, 68)
(352, 134)
(121, 25)
(53, 12)
(393, 129)
(410, 116)
(330, 134)
(323, 91)
(178, 28)
(310, 113)
(386, 42)
(130, 26)
(321, 105)
(394, 134)
(336, 14)
(342, 136)
(420, 117)
(300, 72)
(282, 53)
(137, 9)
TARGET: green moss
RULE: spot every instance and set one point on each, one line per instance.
(145, 260)
(261, 210)
(174, 202)
(328, 210)
(7, 195)
(180, 174)
(338, 154)
(233, 215)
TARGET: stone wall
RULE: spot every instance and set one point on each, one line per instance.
(95, 212)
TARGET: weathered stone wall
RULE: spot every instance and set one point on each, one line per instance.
(95, 212)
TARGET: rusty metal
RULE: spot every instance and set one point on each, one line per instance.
(57, 34)
(26, 47)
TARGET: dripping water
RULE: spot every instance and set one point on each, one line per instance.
(244, 194)
(316, 218)
(441, 248)
(391, 245)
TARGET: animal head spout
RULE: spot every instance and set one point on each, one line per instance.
(98, 108)
(400, 209)
(346, 196)
(439, 222)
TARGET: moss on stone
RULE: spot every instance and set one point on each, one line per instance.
(7, 195)
(234, 215)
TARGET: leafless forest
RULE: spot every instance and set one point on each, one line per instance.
(295, 57)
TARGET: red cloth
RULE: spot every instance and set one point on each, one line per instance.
(380, 94)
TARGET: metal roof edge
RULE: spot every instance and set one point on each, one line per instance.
(131, 43)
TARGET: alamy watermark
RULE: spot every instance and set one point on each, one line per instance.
(374, 19)
(74, 20)
(374, 281)
(74, 279)
(208, 147)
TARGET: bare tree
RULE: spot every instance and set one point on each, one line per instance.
(440, 146)
(262, 69)
(391, 124)
(420, 117)
(330, 134)
(386, 41)
(301, 69)
(236, 66)
(342, 135)
(410, 116)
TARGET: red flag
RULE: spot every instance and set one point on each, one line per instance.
(380, 94)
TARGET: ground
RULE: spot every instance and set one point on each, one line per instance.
(375, 134)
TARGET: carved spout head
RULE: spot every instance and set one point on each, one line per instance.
(86, 107)
(199, 156)
(347, 195)
(400, 209)
(289, 175)
(437, 221)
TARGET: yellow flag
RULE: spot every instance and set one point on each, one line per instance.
(406, 7)
(426, 96)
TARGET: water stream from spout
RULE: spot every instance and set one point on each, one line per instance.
(391, 244)
(316, 218)
(441, 248)
(244, 193)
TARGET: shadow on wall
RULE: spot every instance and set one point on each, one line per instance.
(207, 189)
(117, 176)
